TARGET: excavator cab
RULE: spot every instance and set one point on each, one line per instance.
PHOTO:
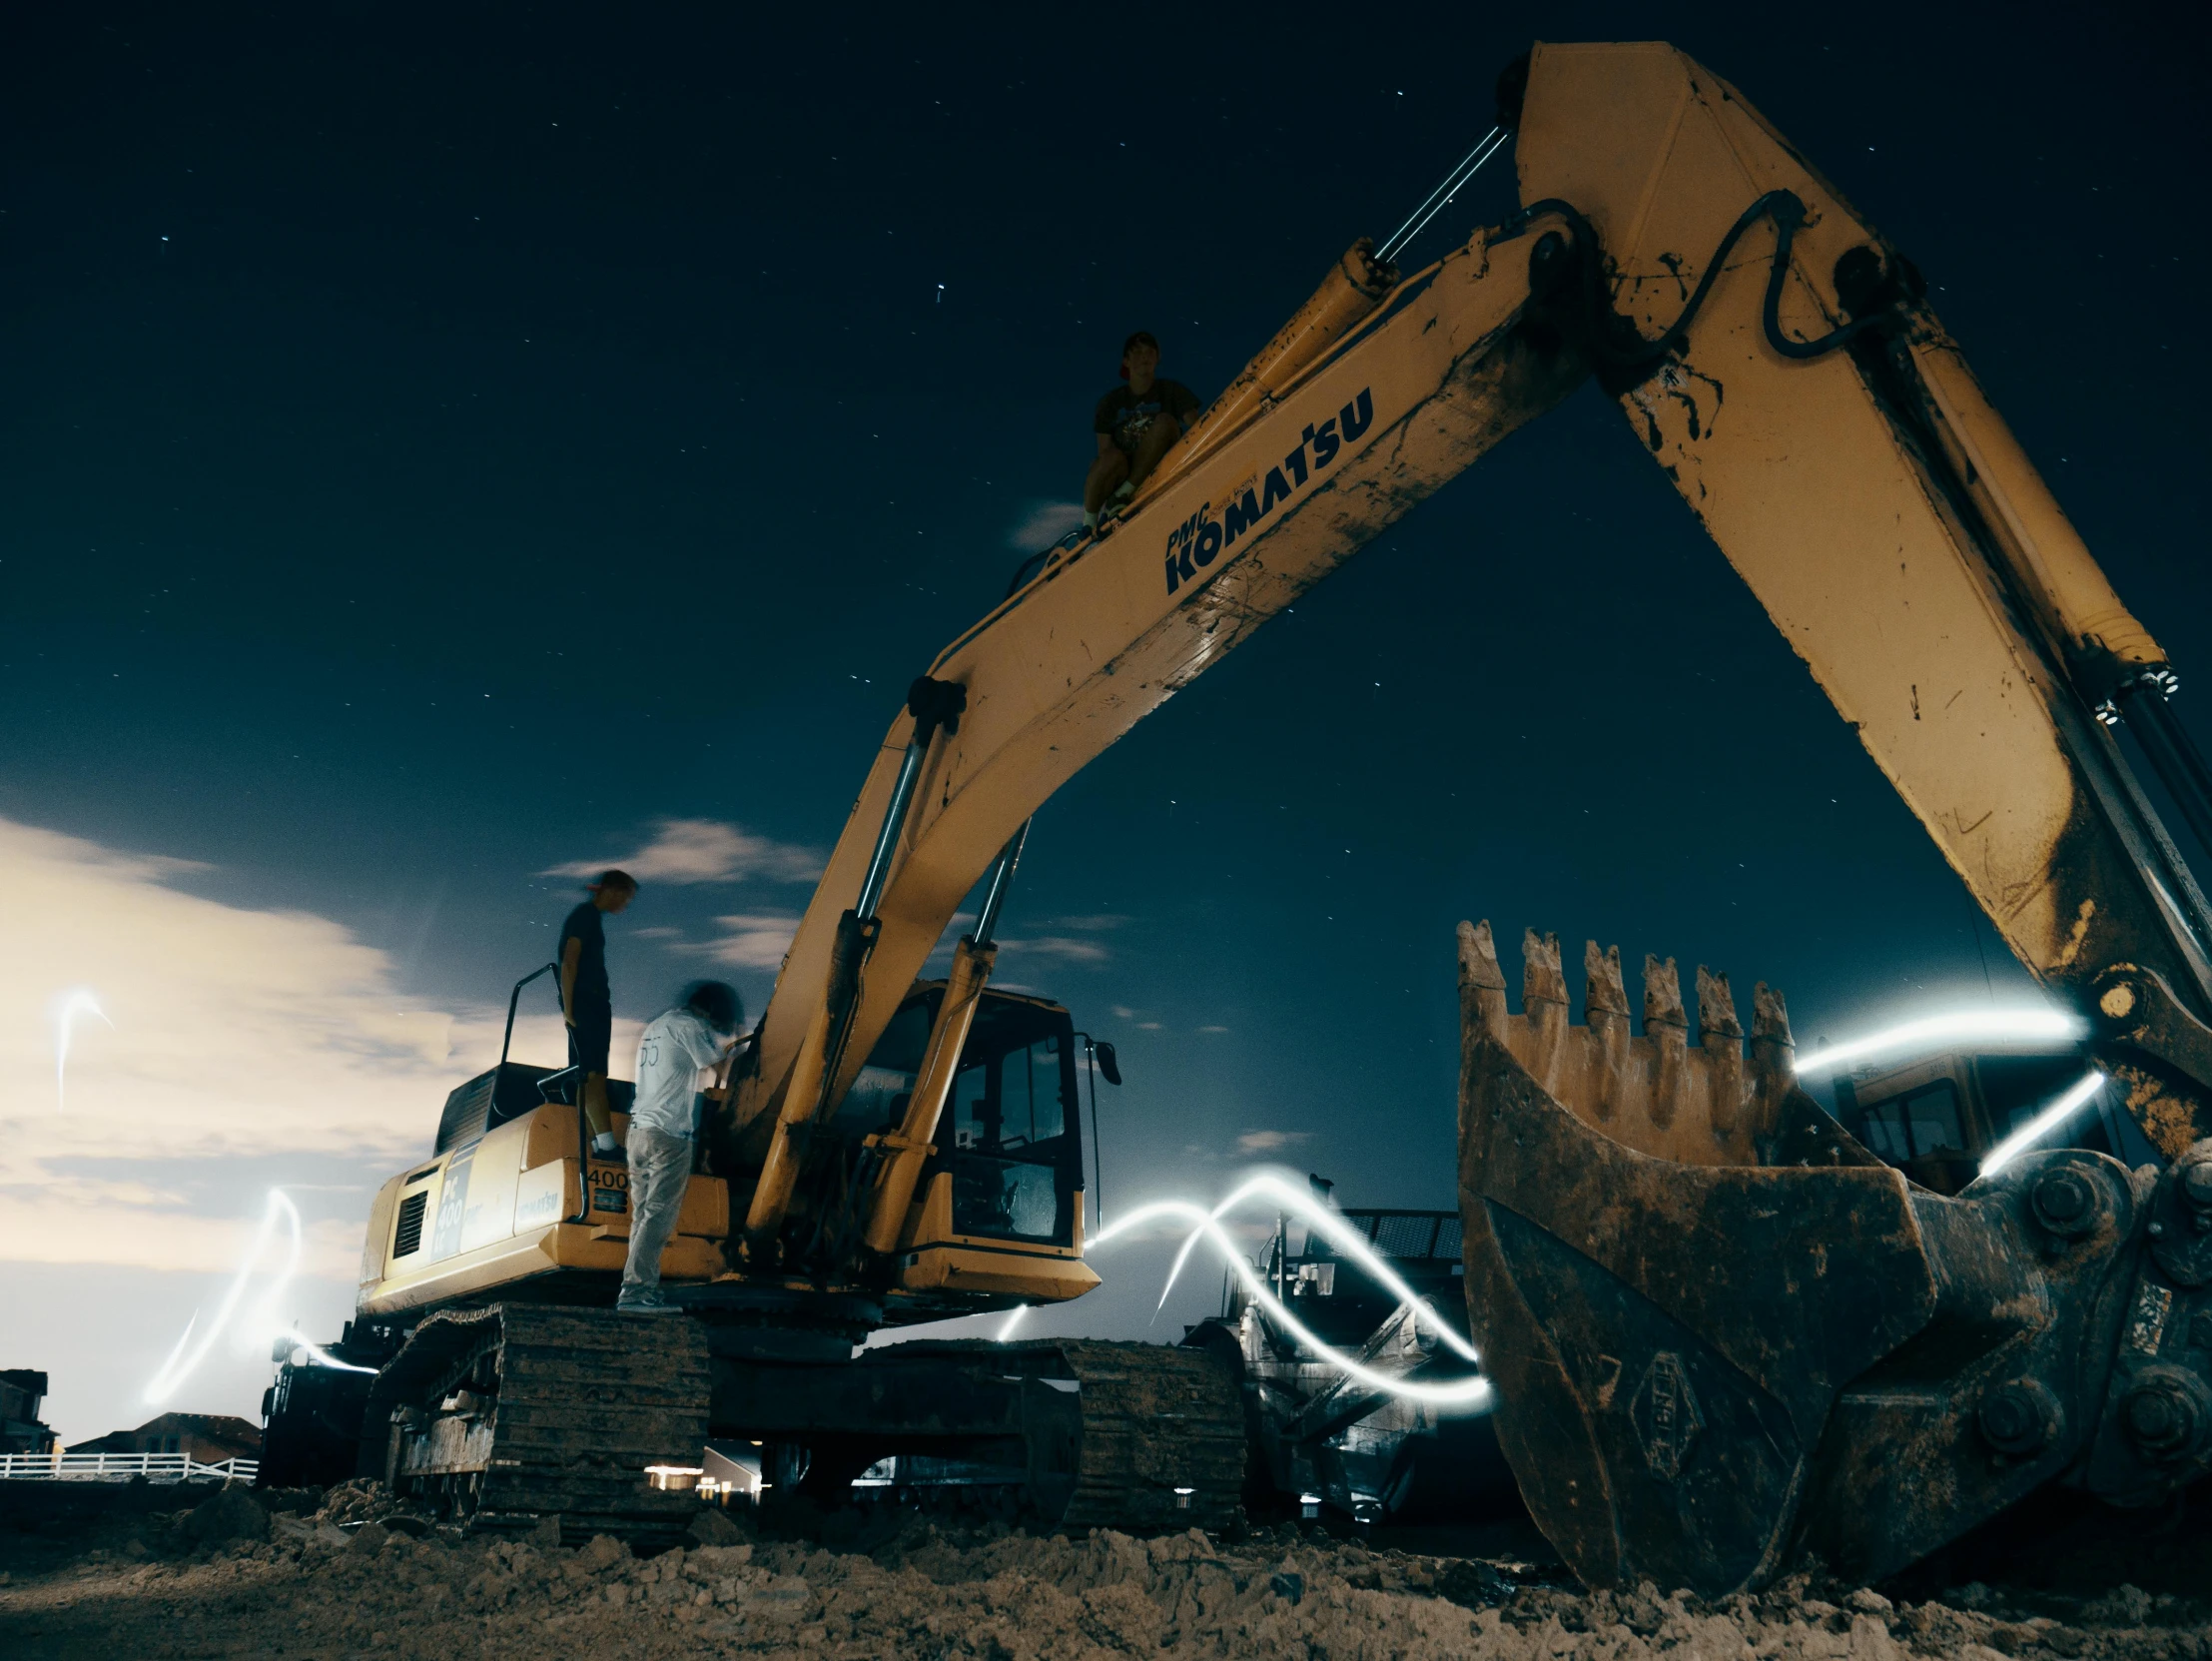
(1008, 1160)
(1937, 1117)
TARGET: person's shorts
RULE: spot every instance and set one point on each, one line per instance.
(591, 1037)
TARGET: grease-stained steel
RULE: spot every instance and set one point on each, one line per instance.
(1723, 1333)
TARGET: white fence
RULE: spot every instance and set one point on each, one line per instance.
(119, 1467)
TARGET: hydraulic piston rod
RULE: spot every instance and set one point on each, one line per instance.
(908, 1146)
(933, 705)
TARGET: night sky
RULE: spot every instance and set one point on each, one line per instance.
(445, 446)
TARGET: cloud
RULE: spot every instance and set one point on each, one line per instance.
(1097, 921)
(655, 934)
(750, 940)
(1042, 523)
(1213, 1029)
(248, 1049)
(1059, 946)
(235, 1035)
(1268, 1142)
(686, 851)
(1124, 1012)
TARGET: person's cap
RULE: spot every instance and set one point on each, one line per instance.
(613, 879)
(1144, 337)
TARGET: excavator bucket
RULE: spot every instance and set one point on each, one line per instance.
(1725, 1335)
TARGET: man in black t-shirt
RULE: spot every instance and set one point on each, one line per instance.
(1136, 425)
(587, 1000)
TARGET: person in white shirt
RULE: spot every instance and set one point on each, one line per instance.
(679, 1053)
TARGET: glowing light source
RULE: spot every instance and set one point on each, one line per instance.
(2043, 1123)
(67, 1008)
(262, 1324)
(1013, 1321)
(1965, 1027)
(1465, 1392)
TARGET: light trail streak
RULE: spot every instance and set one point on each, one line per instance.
(182, 1364)
(1963, 1027)
(2075, 1099)
(1013, 1321)
(1465, 1392)
(67, 1008)
(1349, 1243)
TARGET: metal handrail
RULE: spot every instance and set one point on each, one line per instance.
(514, 998)
(583, 1141)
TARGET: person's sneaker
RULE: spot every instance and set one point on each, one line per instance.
(1125, 492)
(645, 1304)
(605, 1147)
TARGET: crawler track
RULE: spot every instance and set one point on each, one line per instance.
(1091, 1434)
(1155, 1419)
(502, 1416)
(499, 1417)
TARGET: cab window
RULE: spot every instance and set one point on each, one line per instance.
(878, 1098)
(1010, 1145)
(1916, 1124)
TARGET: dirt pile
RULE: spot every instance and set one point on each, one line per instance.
(311, 1588)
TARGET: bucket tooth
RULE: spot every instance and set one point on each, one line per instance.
(1481, 980)
(1663, 993)
(1770, 1019)
(1774, 1060)
(1606, 1014)
(1543, 1002)
(1716, 1010)
(1667, 1028)
(1721, 1036)
(1606, 994)
(1542, 980)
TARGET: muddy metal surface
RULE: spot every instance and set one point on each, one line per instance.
(231, 1578)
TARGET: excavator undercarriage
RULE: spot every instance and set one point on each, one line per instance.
(499, 1417)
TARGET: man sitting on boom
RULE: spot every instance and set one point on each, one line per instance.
(1136, 425)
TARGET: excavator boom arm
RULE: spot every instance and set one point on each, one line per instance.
(1779, 360)
(1277, 492)
(1828, 433)
(1723, 1334)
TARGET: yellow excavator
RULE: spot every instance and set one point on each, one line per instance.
(898, 1149)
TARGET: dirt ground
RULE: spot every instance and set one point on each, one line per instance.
(247, 1575)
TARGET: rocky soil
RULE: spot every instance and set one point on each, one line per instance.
(282, 1575)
